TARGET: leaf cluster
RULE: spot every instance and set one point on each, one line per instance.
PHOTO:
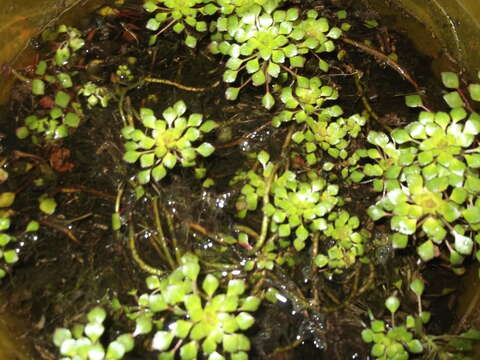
(82, 342)
(193, 317)
(428, 175)
(160, 143)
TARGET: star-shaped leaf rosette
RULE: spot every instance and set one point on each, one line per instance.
(160, 143)
(291, 206)
(428, 174)
(267, 45)
(194, 317)
(183, 16)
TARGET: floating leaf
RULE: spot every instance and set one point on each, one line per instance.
(450, 80)
(426, 250)
(392, 304)
(162, 340)
(47, 205)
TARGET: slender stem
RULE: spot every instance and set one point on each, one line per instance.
(288, 347)
(20, 76)
(180, 86)
(161, 236)
(81, 188)
(202, 230)
(369, 281)
(220, 266)
(166, 27)
(118, 199)
(383, 57)
(247, 230)
(266, 201)
(171, 228)
(123, 92)
(60, 228)
(131, 244)
(465, 100)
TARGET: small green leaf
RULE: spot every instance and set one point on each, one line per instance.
(463, 244)
(60, 336)
(417, 286)
(162, 340)
(268, 101)
(41, 68)
(244, 320)
(144, 175)
(65, 80)
(22, 132)
(450, 80)
(321, 260)
(189, 351)
(205, 149)
(10, 256)
(47, 205)
(191, 41)
(94, 331)
(158, 173)
(474, 91)
(210, 284)
(413, 101)
(399, 241)
(392, 304)
(236, 287)
(72, 119)
(258, 78)
(143, 325)
(6, 199)
(232, 93)
(426, 250)
(32, 226)
(453, 99)
(62, 99)
(38, 87)
(115, 351)
(251, 303)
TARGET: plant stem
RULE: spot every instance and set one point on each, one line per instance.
(266, 201)
(60, 228)
(395, 66)
(131, 244)
(177, 85)
(247, 230)
(171, 228)
(161, 236)
(20, 76)
(288, 347)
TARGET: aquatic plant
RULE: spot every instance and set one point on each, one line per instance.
(348, 243)
(428, 174)
(320, 127)
(400, 341)
(95, 94)
(194, 317)
(9, 256)
(180, 15)
(268, 45)
(59, 113)
(162, 142)
(83, 342)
